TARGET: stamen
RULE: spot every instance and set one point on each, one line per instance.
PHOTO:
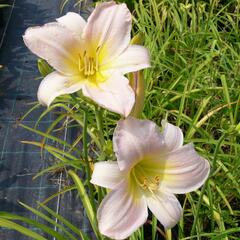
(157, 179)
(85, 63)
(96, 57)
(79, 62)
(80, 66)
(146, 183)
(88, 64)
(92, 66)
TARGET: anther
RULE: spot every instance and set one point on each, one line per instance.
(96, 57)
(157, 179)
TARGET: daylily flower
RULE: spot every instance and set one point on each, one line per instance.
(151, 167)
(92, 56)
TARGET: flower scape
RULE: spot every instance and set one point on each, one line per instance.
(151, 166)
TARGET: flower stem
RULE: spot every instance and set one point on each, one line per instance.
(154, 227)
(168, 233)
(85, 154)
(99, 120)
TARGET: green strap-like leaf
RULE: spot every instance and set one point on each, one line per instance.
(86, 202)
(45, 217)
(64, 221)
(34, 223)
(25, 231)
(4, 5)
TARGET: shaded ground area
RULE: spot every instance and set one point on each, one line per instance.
(18, 87)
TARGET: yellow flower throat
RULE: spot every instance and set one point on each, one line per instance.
(145, 180)
(88, 68)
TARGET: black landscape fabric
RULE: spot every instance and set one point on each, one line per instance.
(18, 87)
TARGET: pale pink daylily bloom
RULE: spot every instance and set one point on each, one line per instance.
(151, 167)
(92, 56)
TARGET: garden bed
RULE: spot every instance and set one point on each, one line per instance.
(5, 14)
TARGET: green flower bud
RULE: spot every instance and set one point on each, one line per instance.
(44, 68)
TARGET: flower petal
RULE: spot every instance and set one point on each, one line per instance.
(185, 170)
(120, 213)
(109, 27)
(73, 21)
(56, 44)
(173, 136)
(133, 59)
(54, 85)
(165, 207)
(114, 94)
(134, 140)
(107, 174)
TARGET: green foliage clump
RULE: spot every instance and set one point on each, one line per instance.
(194, 82)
